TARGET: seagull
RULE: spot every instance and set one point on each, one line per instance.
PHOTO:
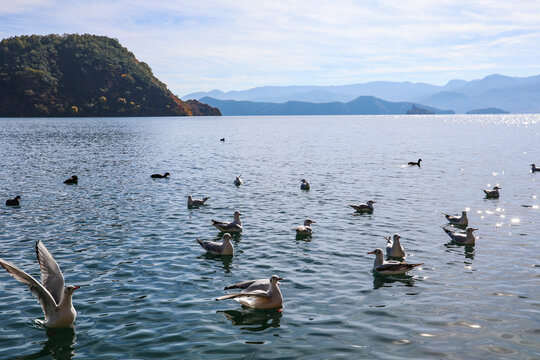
(304, 185)
(72, 180)
(306, 228)
(493, 194)
(225, 248)
(55, 299)
(257, 294)
(238, 181)
(159, 176)
(13, 202)
(534, 168)
(414, 163)
(364, 208)
(461, 238)
(390, 267)
(196, 202)
(394, 248)
(235, 226)
(458, 220)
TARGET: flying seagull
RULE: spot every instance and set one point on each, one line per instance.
(55, 299)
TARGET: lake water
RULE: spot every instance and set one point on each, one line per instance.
(148, 289)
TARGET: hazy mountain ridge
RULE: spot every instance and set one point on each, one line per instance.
(362, 105)
(513, 94)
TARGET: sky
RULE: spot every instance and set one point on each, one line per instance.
(201, 45)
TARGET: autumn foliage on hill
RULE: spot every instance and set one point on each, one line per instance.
(82, 75)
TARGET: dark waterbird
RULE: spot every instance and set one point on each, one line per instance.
(417, 163)
(14, 201)
(159, 176)
(534, 168)
(304, 185)
(222, 139)
(72, 180)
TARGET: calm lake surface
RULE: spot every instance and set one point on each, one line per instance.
(148, 289)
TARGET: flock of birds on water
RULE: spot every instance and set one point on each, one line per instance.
(56, 298)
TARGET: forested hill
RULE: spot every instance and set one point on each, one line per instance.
(82, 75)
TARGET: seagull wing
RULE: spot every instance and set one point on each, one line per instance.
(211, 246)
(45, 298)
(241, 285)
(255, 293)
(51, 276)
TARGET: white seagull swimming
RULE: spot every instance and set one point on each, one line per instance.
(304, 185)
(196, 202)
(234, 226)
(364, 208)
(494, 194)
(55, 299)
(257, 294)
(458, 220)
(224, 248)
(306, 228)
(390, 267)
(466, 238)
(394, 248)
(238, 181)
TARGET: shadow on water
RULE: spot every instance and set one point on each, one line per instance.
(468, 250)
(304, 237)
(236, 237)
(385, 280)
(259, 319)
(60, 345)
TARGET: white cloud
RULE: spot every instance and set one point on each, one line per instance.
(201, 45)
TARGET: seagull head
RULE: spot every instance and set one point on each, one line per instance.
(189, 197)
(308, 222)
(397, 236)
(463, 213)
(376, 252)
(68, 290)
(304, 180)
(274, 279)
(470, 230)
(237, 213)
(371, 202)
(496, 188)
(227, 236)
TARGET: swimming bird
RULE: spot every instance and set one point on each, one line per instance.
(460, 238)
(13, 202)
(238, 181)
(55, 299)
(257, 294)
(492, 194)
(394, 248)
(72, 180)
(364, 208)
(458, 220)
(306, 228)
(390, 267)
(414, 163)
(224, 248)
(534, 168)
(304, 185)
(222, 139)
(234, 226)
(196, 202)
(159, 176)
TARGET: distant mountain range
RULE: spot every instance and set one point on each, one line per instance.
(512, 94)
(362, 105)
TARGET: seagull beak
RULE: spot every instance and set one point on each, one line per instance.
(279, 278)
(371, 252)
(77, 287)
(313, 222)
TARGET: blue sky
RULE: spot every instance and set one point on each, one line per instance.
(201, 45)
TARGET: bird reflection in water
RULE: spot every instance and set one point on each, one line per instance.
(259, 319)
(60, 345)
(467, 250)
(385, 280)
(226, 260)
